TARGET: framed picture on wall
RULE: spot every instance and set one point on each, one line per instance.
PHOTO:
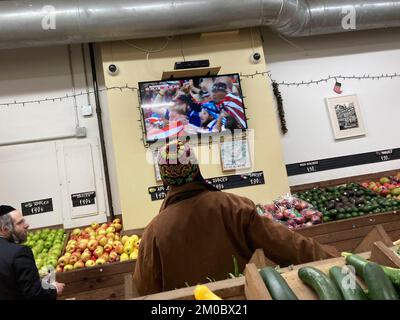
(235, 154)
(346, 118)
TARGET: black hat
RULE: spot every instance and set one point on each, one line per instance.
(219, 86)
(5, 210)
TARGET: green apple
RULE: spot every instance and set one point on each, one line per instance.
(36, 237)
(39, 263)
(48, 244)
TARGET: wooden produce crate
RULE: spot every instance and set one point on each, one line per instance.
(251, 286)
(248, 287)
(109, 281)
(380, 254)
(112, 281)
(347, 234)
(339, 181)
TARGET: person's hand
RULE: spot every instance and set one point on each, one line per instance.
(59, 287)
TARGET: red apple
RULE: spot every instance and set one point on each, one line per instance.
(113, 256)
(85, 235)
(104, 226)
(73, 259)
(77, 253)
(110, 236)
(118, 220)
(88, 230)
(59, 268)
(117, 226)
(79, 265)
(63, 261)
(108, 247)
(94, 225)
(71, 248)
(105, 256)
(76, 232)
(110, 229)
(92, 245)
(90, 263)
(86, 256)
(118, 247)
(102, 240)
(68, 267)
(98, 251)
(82, 245)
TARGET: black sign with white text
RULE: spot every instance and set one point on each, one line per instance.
(221, 183)
(37, 207)
(342, 162)
(83, 199)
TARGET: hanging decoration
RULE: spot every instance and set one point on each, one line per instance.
(338, 87)
(279, 102)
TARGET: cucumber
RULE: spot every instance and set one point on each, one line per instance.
(322, 285)
(340, 280)
(277, 286)
(357, 262)
(379, 285)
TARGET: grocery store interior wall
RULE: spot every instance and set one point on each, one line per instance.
(55, 168)
(310, 136)
(232, 52)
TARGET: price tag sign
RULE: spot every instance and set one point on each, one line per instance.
(385, 155)
(83, 199)
(294, 169)
(311, 166)
(220, 183)
(37, 207)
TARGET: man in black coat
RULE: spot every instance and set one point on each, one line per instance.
(19, 277)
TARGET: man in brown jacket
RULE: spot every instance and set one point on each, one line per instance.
(199, 229)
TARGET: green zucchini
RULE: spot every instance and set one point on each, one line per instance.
(276, 285)
(340, 280)
(359, 263)
(322, 285)
(379, 285)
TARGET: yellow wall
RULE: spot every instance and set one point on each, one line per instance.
(231, 51)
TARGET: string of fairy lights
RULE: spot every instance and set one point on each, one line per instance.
(268, 74)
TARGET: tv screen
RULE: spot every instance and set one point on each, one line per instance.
(192, 106)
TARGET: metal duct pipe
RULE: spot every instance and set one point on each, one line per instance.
(315, 17)
(27, 23)
(83, 21)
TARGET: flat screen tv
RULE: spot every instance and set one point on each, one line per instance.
(192, 106)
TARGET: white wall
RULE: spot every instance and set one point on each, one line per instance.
(58, 167)
(310, 135)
